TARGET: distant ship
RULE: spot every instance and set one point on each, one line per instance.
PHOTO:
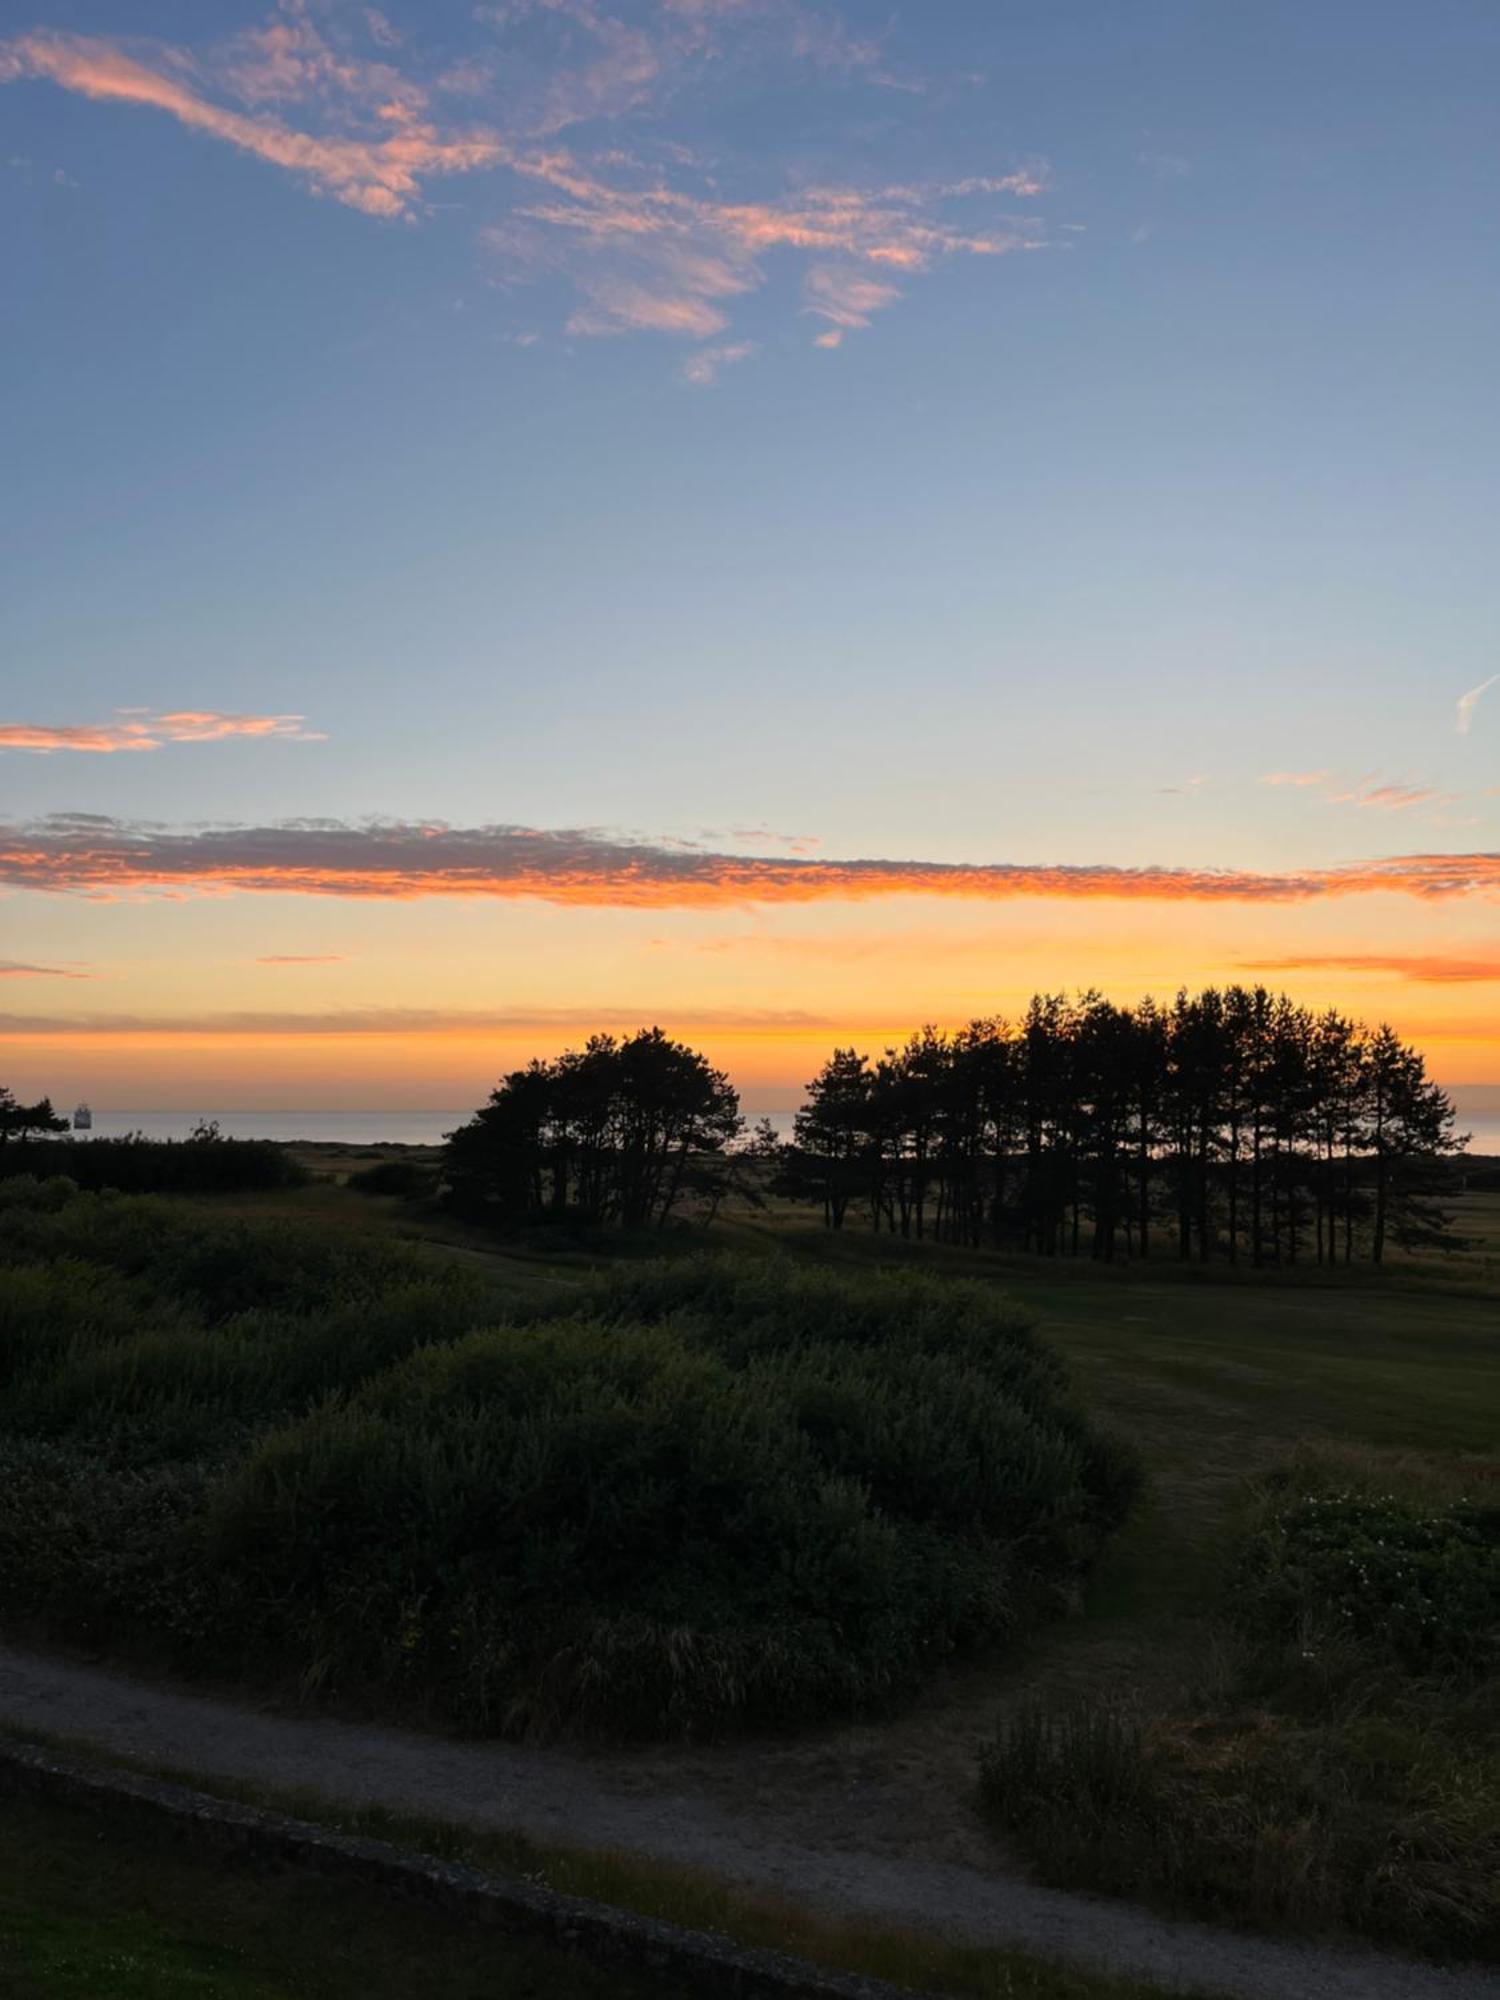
(83, 1119)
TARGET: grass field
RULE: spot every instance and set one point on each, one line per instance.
(87, 1913)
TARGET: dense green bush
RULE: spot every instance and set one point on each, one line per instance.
(1411, 1584)
(716, 1493)
(1346, 1770)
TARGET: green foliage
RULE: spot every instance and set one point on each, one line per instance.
(1412, 1585)
(715, 1494)
(1348, 1769)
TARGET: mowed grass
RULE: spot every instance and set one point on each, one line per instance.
(88, 1911)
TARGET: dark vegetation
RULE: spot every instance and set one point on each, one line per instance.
(407, 1180)
(26, 1121)
(203, 1163)
(1342, 1766)
(94, 1912)
(708, 1494)
(1232, 1124)
(87, 1912)
(620, 1133)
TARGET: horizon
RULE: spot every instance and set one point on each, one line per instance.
(787, 519)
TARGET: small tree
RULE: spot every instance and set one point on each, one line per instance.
(27, 1121)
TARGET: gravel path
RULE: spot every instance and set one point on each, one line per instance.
(553, 1794)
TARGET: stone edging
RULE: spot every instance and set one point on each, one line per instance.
(701, 1961)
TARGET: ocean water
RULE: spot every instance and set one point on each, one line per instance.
(1478, 1113)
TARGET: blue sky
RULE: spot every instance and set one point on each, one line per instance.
(1149, 452)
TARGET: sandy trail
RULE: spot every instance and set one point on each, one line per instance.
(645, 1806)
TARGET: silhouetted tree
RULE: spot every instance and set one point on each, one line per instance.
(27, 1121)
(1258, 1128)
(619, 1132)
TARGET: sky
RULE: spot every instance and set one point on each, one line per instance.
(784, 520)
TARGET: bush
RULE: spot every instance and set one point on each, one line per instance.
(410, 1180)
(1348, 1772)
(652, 1519)
(1412, 1585)
(718, 1494)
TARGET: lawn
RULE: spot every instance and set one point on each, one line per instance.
(87, 1911)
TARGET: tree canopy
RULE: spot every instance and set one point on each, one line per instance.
(1233, 1121)
(614, 1133)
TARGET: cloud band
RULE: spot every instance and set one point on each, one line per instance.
(89, 854)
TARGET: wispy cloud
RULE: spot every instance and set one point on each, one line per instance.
(302, 958)
(1467, 703)
(137, 729)
(702, 369)
(1426, 968)
(1392, 797)
(376, 159)
(335, 96)
(12, 968)
(667, 260)
(102, 857)
(1299, 778)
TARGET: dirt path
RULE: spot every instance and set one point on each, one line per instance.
(631, 1803)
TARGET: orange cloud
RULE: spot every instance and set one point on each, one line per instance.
(140, 730)
(100, 856)
(302, 958)
(1296, 777)
(379, 172)
(424, 1021)
(1428, 968)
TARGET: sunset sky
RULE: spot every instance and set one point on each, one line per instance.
(778, 519)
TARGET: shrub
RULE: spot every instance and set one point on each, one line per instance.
(1409, 1584)
(1349, 1770)
(410, 1180)
(718, 1494)
(752, 1511)
(205, 1163)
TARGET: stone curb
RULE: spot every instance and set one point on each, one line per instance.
(699, 1960)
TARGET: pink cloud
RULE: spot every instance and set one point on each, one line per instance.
(11, 968)
(379, 172)
(302, 958)
(141, 730)
(307, 92)
(702, 369)
(1296, 777)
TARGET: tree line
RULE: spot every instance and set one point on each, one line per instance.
(1231, 1123)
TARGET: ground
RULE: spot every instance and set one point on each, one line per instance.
(1215, 1374)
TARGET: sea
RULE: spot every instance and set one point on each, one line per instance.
(1478, 1108)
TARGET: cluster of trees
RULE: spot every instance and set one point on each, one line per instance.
(619, 1132)
(1233, 1121)
(27, 1121)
